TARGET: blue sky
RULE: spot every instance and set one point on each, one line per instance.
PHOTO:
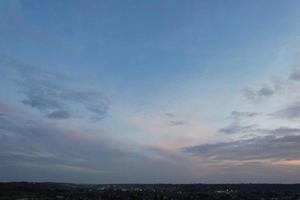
(149, 91)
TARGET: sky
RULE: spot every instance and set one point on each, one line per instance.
(150, 91)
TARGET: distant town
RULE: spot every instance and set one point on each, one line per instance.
(51, 191)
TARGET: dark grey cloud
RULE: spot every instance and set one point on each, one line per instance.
(265, 91)
(291, 112)
(51, 93)
(268, 147)
(295, 75)
(178, 122)
(173, 119)
(281, 131)
(60, 114)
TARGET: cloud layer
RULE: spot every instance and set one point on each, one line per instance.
(268, 147)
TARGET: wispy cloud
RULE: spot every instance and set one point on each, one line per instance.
(173, 119)
(238, 126)
(51, 93)
(178, 122)
(237, 129)
(62, 167)
(169, 114)
(238, 114)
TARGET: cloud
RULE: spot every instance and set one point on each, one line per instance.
(281, 131)
(52, 93)
(27, 138)
(291, 112)
(61, 167)
(41, 103)
(171, 117)
(258, 148)
(170, 114)
(295, 75)
(238, 114)
(178, 122)
(30, 153)
(44, 96)
(47, 150)
(252, 172)
(236, 128)
(275, 86)
(257, 95)
(99, 110)
(56, 101)
(284, 131)
(60, 114)
(237, 125)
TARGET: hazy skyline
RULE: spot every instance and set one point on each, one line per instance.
(150, 91)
